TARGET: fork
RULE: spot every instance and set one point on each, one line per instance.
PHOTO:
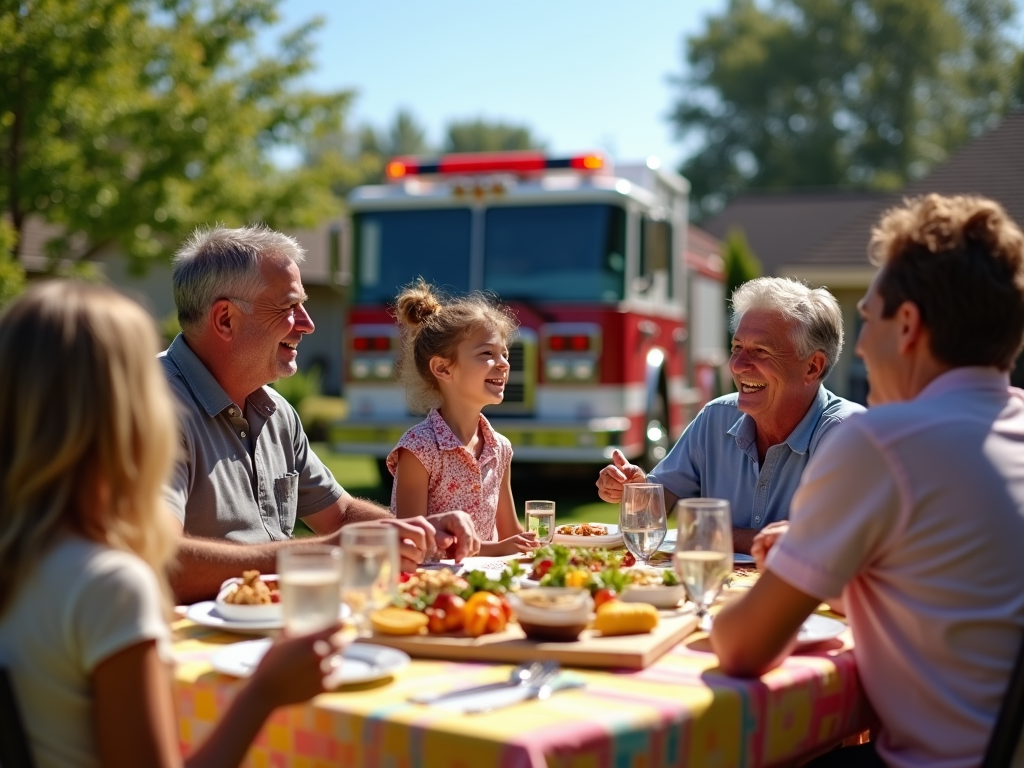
(524, 674)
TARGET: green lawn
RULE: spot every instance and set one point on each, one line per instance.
(576, 499)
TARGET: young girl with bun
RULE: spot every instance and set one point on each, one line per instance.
(88, 432)
(454, 362)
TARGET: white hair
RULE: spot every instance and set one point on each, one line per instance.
(815, 311)
(220, 263)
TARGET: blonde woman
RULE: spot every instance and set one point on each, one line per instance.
(87, 435)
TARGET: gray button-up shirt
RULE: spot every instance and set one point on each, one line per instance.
(245, 475)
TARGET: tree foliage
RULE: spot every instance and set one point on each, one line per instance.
(848, 93)
(129, 122)
(12, 274)
(741, 264)
(485, 136)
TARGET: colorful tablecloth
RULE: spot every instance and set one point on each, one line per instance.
(678, 712)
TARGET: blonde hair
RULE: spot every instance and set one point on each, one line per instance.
(433, 326)
(88, 429)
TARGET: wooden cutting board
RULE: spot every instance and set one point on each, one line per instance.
(512, 646)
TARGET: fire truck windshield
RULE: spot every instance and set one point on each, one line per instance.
(392, 248)
(538, 252)
(555, 252)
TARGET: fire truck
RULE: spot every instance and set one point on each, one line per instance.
(622, 319)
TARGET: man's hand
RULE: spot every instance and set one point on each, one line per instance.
(415, 540)
(455, 531)
(615, 475)
(765, 540)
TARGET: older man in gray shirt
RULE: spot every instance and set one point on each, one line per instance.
(247, 472)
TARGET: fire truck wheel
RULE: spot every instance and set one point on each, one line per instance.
(656, 438)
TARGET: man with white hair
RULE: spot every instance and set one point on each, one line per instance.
(751, 447)
(246, 470)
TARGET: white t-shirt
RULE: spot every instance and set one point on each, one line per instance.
(81, 605)
(914, 512)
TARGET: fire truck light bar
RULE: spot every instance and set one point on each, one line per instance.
(489, 162)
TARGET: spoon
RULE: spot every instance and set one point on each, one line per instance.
(520, 675)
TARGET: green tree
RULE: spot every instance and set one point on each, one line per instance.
(741, 264)
(129, 122)
(12, 274)
(485, 136)
(848, 93)
(358, 157)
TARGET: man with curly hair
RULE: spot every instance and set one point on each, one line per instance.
(912, 514)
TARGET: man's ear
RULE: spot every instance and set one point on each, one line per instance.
(909, 326)
(222, 319)
(815, 367)
(441, 368)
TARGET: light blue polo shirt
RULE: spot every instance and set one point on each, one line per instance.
(716, 457)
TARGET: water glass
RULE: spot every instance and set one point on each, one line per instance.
(642, 519)
(540, 518)
(703, 556)
(309, 577)
(369, 570)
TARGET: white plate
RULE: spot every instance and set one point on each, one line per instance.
(362, 662)
(818, 628)
(206, 613)
(613, 539)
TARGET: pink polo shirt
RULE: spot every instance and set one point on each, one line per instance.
(915, 513)
(457, 479)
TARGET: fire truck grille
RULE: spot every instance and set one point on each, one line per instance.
(522, 377)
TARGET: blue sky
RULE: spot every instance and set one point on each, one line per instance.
(582, 74)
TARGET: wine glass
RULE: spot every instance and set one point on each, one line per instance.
(703, 556)
(309, 577)
(540, 517)
(642, 519)
(369, 570)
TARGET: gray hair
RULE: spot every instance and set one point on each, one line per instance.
(220, 263)
(815, 311)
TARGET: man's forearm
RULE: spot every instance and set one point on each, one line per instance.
(362, 510)
(203, 564)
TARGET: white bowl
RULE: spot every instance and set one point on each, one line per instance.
(658, 596)
(233, 612)
(576, 609)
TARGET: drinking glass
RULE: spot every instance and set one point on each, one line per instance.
(540, 517)
(310, 581)
(642, 519)
(369, 570)
(703, 556)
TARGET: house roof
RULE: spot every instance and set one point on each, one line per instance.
(991, 165)
(783, 226)
(832, 229)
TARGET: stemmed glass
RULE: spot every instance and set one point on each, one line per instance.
(642, 519)
(369, 570)
(703, 557)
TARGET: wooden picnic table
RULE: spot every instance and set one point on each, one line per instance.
(680, 711)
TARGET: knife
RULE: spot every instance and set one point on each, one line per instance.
(519, 695)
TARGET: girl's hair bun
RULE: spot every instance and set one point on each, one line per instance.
(416, 303)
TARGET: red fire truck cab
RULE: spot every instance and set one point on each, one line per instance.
(622, 326)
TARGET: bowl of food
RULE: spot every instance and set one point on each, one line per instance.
(555, 614)
(254, 597)
(655, 586)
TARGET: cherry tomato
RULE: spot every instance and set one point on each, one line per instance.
(496, 619)
(437, 618)
(453, 607)
(404, 576)
(603, 596)
(506, 608)
(540, 569)
(628, 560)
